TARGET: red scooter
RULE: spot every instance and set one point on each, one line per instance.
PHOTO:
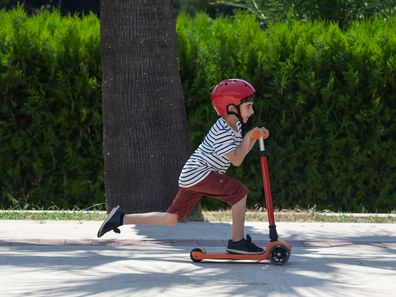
(277, 251)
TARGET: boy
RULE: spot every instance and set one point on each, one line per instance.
(204, 172)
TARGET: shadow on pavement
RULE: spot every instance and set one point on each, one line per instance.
(89, 270)
(152, 270)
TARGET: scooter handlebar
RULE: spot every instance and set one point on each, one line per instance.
(257, 135)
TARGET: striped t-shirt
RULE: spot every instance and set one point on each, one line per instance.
(210, 155)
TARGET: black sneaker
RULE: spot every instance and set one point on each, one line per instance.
(112, 222)
(244, 246)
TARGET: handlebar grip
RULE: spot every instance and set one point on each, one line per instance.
(259, 136)
(256, 134)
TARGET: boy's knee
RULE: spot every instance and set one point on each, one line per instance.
(171, 219)
(243, 199)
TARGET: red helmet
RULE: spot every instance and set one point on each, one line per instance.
(230, 92)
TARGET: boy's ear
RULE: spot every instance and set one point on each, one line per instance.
(231, 108)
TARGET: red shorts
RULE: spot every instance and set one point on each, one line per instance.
(219, 186)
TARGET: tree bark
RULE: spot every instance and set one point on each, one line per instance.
(145, 129)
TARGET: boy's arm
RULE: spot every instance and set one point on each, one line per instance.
(238, 155)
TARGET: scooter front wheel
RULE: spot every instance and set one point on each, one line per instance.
(279, 254)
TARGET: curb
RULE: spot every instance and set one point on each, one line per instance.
(183, 243)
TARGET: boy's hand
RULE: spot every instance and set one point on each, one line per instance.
(256, 133)
(238, 155)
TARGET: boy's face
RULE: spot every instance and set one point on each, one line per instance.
(246, 111)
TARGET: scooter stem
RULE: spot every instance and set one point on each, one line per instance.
(267, 190)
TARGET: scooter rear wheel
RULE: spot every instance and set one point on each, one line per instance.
(192, 254)
(279, 254)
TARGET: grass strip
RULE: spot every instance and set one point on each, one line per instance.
(213, 216)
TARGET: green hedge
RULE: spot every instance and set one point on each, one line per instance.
(50, 111)
(327, 96)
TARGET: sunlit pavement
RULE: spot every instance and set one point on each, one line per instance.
(63, 258)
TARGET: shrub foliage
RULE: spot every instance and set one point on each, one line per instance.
(50, 111)
(327, 96)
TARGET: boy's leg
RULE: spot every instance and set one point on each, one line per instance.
(117, 218)
(238, 211)
(155, 218)
(230, 190)
(183, 203)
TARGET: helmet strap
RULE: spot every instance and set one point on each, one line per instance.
(245, 126)
(235, 114)
(238, 115)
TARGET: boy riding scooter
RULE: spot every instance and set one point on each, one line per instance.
(204, 172)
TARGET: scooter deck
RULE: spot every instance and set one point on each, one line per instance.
(198, 255)
(230, 256)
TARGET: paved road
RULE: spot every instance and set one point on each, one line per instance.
(65, 259)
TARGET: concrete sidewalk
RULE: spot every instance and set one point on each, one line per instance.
(64, 258)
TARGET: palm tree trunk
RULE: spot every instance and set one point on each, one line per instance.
(145, 130)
